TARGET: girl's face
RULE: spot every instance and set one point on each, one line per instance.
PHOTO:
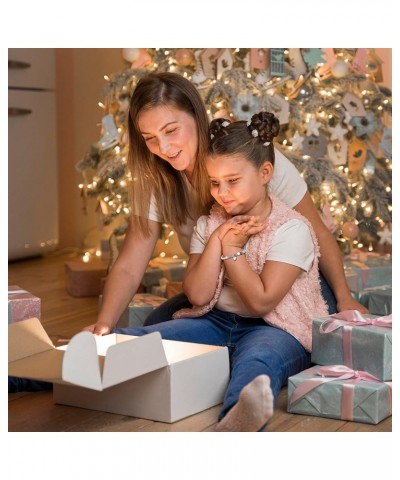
(237, 185)
(171, 134)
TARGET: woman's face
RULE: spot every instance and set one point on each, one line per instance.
(171, 134)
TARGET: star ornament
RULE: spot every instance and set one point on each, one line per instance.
(297, 141)
(313, 127)
(386, 236)
(337, 132)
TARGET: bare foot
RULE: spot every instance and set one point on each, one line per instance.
(253, 409)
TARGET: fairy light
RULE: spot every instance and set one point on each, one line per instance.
(106, 78)
(101, 105)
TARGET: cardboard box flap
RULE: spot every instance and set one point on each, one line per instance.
(133, 358)
(123, 360)
(27, 338)
(81, 362)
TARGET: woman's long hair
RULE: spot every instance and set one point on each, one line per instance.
(154, 176)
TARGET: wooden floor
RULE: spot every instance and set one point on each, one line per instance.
(62, 317)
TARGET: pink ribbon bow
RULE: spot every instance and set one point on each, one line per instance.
(349, 319)
(334, 373)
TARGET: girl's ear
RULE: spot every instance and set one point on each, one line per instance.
(266, 171)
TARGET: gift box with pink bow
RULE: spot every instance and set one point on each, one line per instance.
(361, 342)
(339, 392)
(372, 270)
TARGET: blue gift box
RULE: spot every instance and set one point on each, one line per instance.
(371, 271)
(378, 300)
(366, 347)
(351, 396)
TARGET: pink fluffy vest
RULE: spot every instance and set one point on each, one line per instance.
(303, 301)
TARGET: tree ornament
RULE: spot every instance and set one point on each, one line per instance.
(340, 69)
(353, 105)
(224, 62)
(130, 54)
(337, 151)
(350, 230)
(296, 62)
(313, 127)
(277, 62)
(359, 63)
(314, 146)
(330, 59)
(385, 236)
(184, 57)
(337, 132)
(110, 133)
(259, 58)
(297, 141)
(356, 155)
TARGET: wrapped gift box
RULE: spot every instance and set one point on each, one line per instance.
(378, 300)
(372, 271)
(85, 279)
(351, 278)
(341, 393)
(139, 308)
(362, 347)
(22, 304)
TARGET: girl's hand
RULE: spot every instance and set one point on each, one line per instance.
(240, 231)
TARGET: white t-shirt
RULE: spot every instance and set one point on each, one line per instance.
(292, 243)
(286, 184)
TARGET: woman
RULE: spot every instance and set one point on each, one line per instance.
(168, 136)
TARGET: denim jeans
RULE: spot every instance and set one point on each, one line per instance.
(164, 312)
(255, 348)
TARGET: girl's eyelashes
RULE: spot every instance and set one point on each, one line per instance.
(231, 181)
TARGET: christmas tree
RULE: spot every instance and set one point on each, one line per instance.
(335, 126)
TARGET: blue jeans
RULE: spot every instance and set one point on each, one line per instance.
(255, 348)
(164, 312)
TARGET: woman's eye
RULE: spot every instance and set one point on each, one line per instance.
(214, 183)
(233, 180)
(148, 139)
(170, 131)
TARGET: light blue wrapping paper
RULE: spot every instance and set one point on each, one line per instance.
(372, 400)
(371, 348)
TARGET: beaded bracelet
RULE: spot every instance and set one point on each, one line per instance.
(234, 256)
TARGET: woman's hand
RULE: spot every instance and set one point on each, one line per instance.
(98, 329)
(350, 303)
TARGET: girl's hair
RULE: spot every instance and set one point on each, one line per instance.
(150, 174)
(252, 139)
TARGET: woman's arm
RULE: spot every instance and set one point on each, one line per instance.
(125, 277)
(331, 262)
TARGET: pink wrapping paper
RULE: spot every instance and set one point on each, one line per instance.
(22, 304)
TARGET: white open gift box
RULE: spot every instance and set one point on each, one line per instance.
(144, 377)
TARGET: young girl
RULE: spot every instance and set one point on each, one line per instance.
(168, 139)
(252, 275)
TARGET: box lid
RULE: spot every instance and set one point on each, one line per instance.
(88, 360)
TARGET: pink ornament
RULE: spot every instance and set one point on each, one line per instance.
(350, 230)
(184, 57)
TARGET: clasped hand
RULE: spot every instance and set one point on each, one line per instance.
(236, 231)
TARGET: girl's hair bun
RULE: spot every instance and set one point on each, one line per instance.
(264, 125)
(217, 127)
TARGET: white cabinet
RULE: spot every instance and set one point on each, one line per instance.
(32, 153)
